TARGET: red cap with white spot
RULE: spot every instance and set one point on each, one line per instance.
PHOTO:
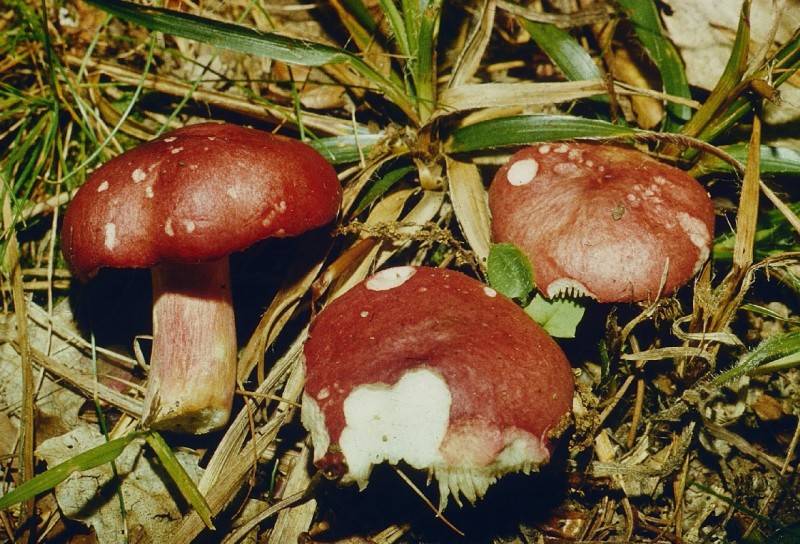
(431, 367)
(180, 205)
(195, 194)
(603, 221)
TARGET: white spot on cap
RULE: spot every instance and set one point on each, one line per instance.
(364, 313)
(281, 207)
(661, 180)
(589, 163)
(168, 228)
(170, 139)
(192, 167)
(544, 149)
(696, 230)
(212, 138)
(491, 293)
(522, 172)
(407, 420)
(102, 187)
(177, 150)
(566, 169)
(110, 230)
(563, 148)
(189, 225)
(148, 191)
(231, 192)
(574, 154)
(631, 197)
(390, 278)
(324, 393)
(138, 175)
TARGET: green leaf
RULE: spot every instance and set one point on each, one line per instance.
(381, 186)
(510, 272)
(564, 51)
(774, 234)
(100, 455)
(426, 59)
(559, 317)
(647, 25)
(779, 346)
(344, 149)
(774, 160)
(179, 476)
(247, 40)
(528, 129)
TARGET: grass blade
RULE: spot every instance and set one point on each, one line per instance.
(102, 454)
(563, 50)
(647, 25)
(528, 129)
(247, 40)
(426, 59)
(775, 347)
(774, 160)
(179, 476)
(381, 186)
(731, 77)
(344, 149)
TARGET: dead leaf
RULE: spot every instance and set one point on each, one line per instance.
(90, 496)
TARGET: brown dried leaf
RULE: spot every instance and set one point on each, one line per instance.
(471, 206)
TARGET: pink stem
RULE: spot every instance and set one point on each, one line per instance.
(193, 363)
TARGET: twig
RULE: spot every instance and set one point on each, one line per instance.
(437, 513)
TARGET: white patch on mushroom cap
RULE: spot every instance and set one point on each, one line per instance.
(110, 230)
(231, 192)
(170, 139)
(568, 286)
(177, 150)
(148, 191)
(138, 175)
(364, 313)
(390, 278)
(544, 149)
(522, 172)
(168, 228)
(489, 292)
(698, 233)
(563, 148)
(102, 187)
(566, 169)
(314, 421)
(695, 229)
(189, 225)
(407, 420)
(324, 393)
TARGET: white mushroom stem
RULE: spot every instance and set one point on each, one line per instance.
(193, 362)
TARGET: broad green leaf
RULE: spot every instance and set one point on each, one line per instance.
(179, 477)
(398, 26)
(564, 51)
(509, 272)
(100, 455)
(559, 317)
(774, 347)
(344, 149)
(528, 129)
(647, 25)
(381, 186)
(247, 40)
(774, 160)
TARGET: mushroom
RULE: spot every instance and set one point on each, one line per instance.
(180, 205)
(602, 221)
(432, 367)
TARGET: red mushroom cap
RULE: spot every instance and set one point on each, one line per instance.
(432, 367)
(602, 221)
(198, 193)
